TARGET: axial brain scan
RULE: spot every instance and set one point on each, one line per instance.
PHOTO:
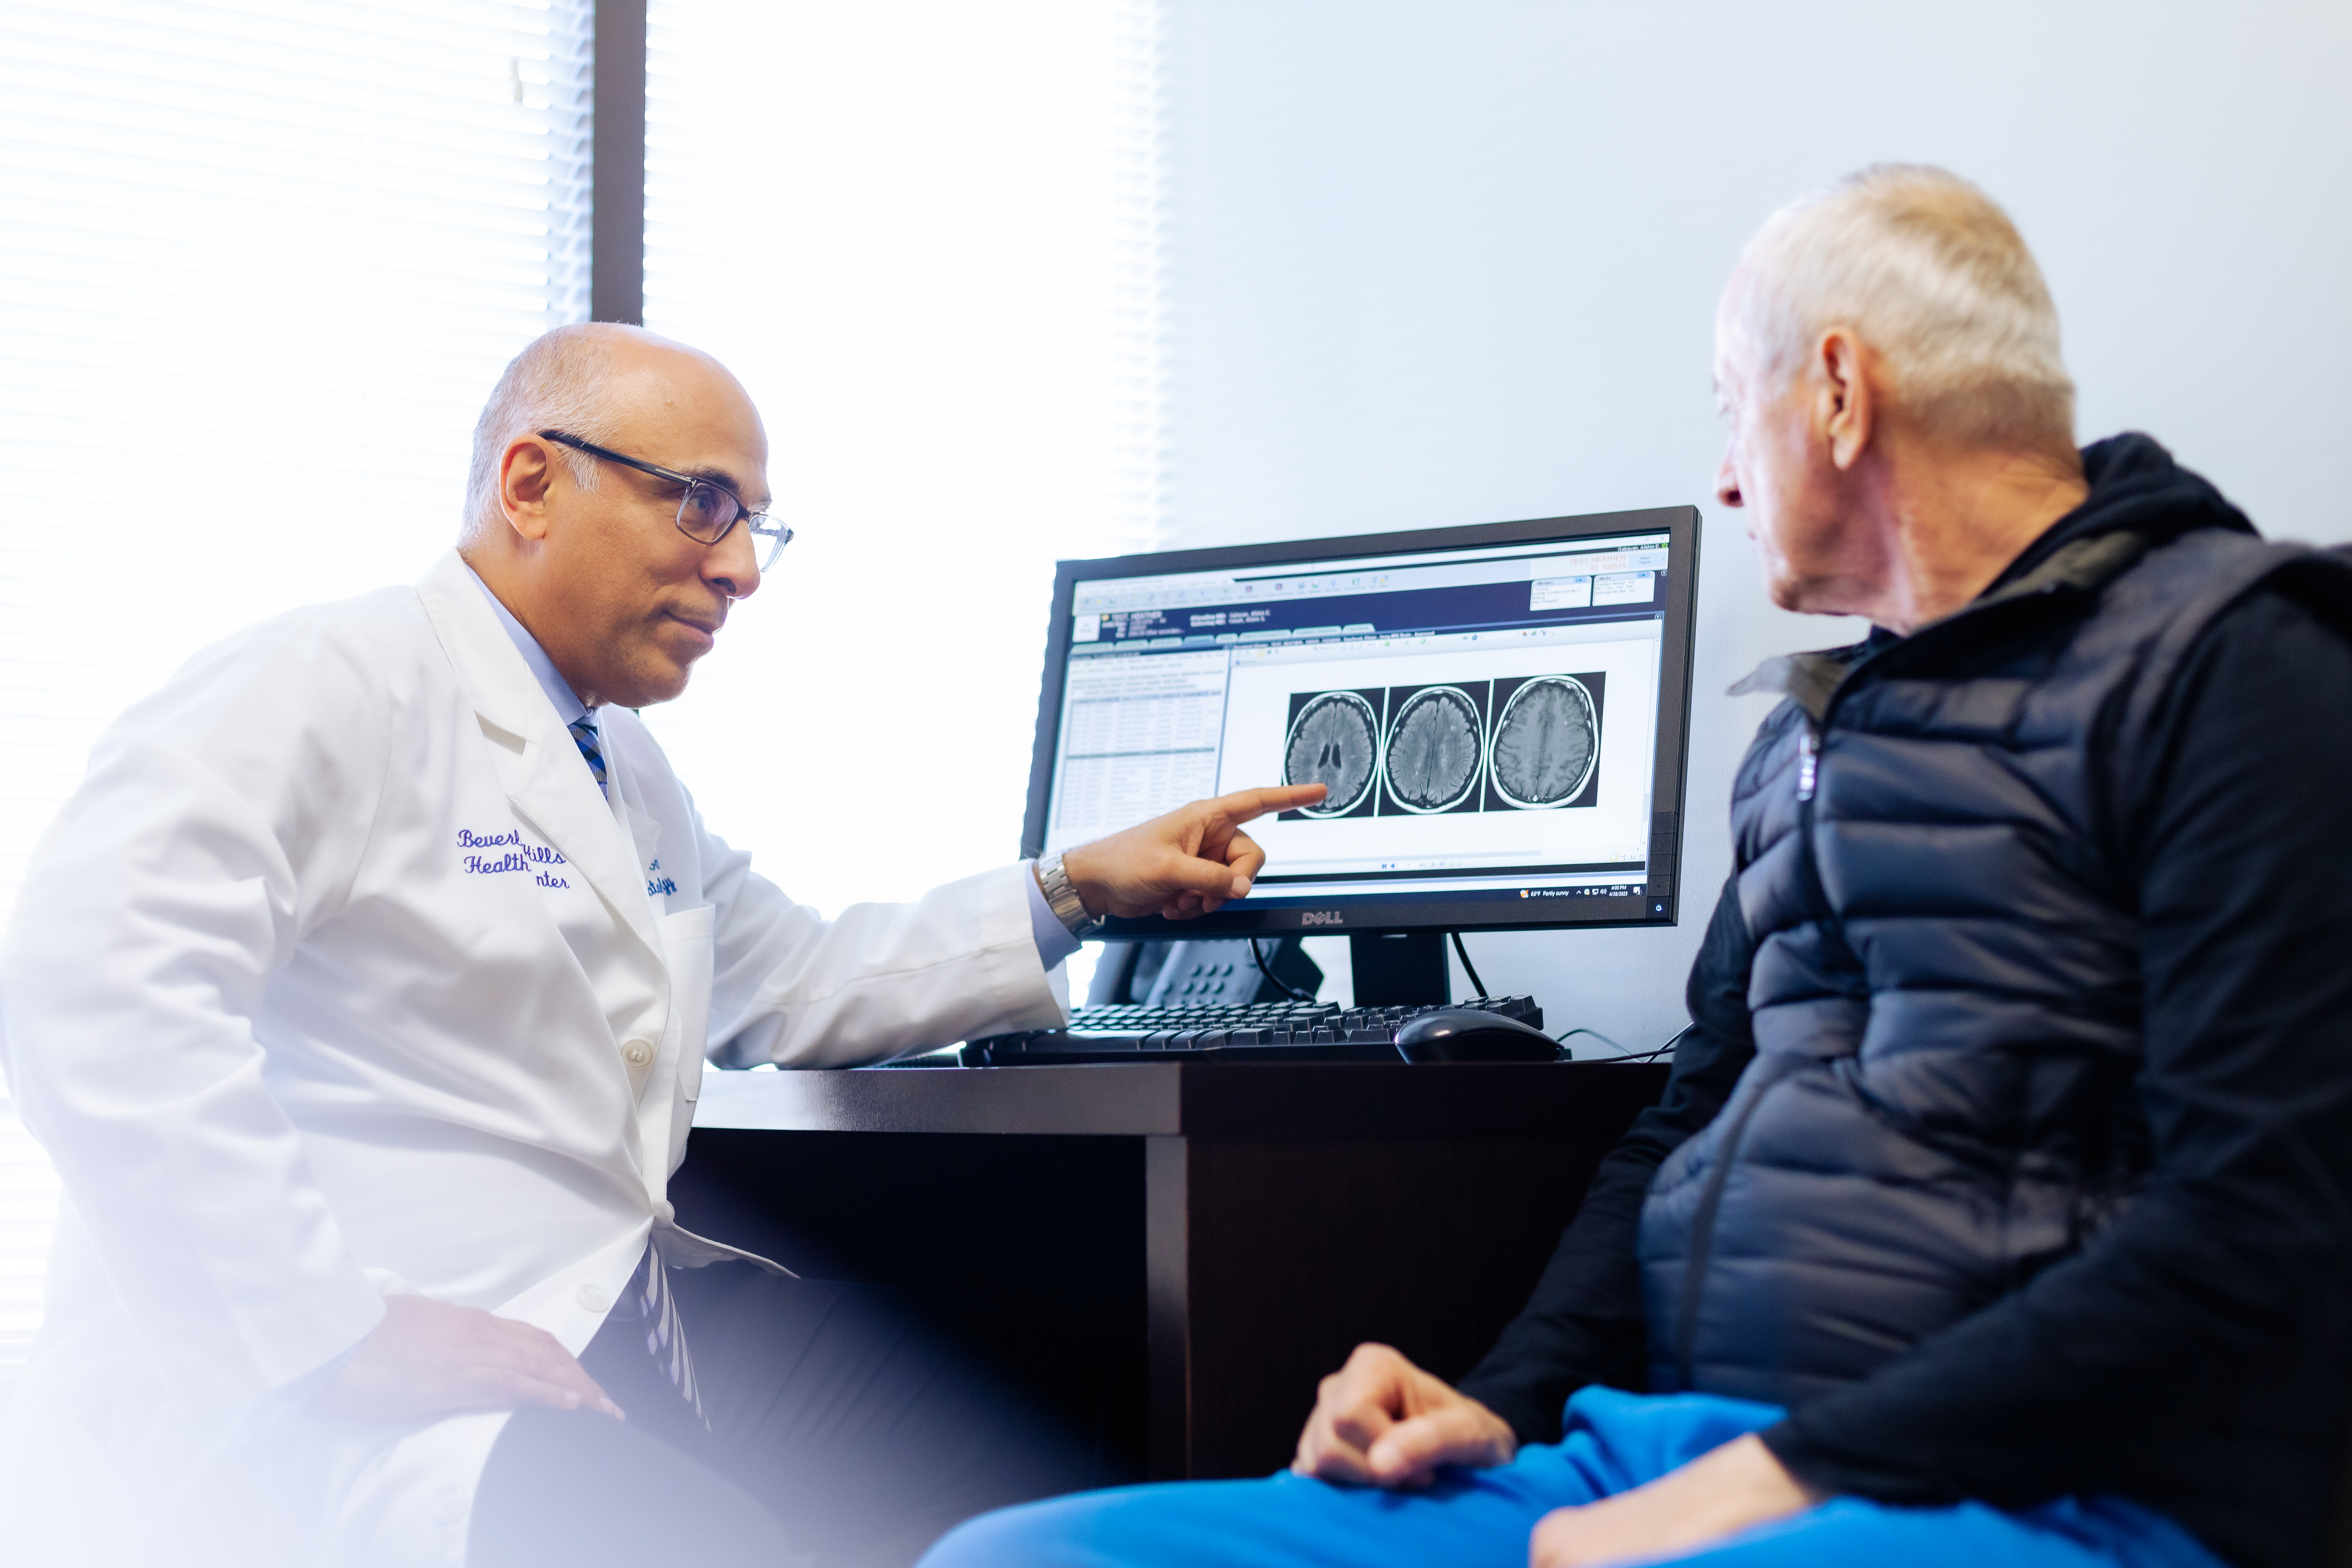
(1545, 742)
(1334, 741)
(1434, 749)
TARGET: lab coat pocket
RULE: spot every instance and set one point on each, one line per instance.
(686, 939)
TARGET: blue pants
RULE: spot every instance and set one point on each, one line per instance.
(1480, 1518)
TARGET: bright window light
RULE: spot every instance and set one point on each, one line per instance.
(923, 233)
(263, 261)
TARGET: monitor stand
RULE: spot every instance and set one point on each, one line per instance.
(1400, 969)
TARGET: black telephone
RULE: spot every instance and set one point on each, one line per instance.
(1174, 974)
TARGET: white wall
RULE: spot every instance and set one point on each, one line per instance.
(1433, 263)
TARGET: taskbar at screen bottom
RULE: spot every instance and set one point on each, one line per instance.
(1619, 904)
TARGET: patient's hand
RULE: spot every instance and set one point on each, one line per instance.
(429, 1358)
(1381, 1421)
(1720, 1493)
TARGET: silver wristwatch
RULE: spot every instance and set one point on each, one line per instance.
(1064, 899)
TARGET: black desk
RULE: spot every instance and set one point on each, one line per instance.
(1180, 1248)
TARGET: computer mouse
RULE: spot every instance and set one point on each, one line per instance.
(1469, 1034)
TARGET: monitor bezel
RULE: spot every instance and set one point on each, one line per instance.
(1657, 907)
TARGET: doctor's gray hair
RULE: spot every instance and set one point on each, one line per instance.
(560, 381)
(1927, 270)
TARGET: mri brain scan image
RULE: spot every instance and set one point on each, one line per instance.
(1334, 741)
(1433, 758)
(1546, 742)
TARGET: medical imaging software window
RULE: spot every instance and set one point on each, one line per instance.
(1484, 720)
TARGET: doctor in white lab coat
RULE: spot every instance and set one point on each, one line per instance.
(365, 1022)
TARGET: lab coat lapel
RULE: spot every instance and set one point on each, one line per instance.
(643, 827)
(537, 763)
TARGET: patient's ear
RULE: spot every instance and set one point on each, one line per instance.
(1845, 402)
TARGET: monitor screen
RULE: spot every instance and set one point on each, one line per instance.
(1498, 712)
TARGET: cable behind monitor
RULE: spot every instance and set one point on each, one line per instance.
(1276, 981)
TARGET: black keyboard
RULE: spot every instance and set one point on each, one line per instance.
(1263, 1032)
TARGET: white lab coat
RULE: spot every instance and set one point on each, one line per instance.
(338, 978)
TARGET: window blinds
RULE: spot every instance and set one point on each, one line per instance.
(262, 262)
(923, 234)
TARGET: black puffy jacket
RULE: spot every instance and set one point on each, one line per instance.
(1946, 982)
(2013, 1149)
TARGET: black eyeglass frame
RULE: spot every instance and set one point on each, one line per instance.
(759, 523)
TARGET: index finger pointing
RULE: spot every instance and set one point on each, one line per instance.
(1242, 804)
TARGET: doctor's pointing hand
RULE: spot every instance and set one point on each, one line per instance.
(1187, 863)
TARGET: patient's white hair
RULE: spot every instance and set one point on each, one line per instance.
(561, 380)
(1927, 270)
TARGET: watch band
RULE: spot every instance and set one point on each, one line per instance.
(1063, 898)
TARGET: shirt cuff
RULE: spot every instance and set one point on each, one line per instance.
(1054, 941)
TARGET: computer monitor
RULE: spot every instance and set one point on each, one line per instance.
(1501, 713)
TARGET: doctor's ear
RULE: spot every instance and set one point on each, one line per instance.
(526, 476)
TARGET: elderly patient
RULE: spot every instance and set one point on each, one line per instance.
(1997, 1210)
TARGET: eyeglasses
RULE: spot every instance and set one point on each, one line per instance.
(706, 511)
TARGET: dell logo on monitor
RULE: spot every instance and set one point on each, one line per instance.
(1323, 918)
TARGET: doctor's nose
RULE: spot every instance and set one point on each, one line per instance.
(733, 565)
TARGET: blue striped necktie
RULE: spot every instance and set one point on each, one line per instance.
(646, 1299)
(583, 735)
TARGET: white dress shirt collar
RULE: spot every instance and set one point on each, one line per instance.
(568, 705)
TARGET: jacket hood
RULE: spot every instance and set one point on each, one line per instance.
(2135, 486)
